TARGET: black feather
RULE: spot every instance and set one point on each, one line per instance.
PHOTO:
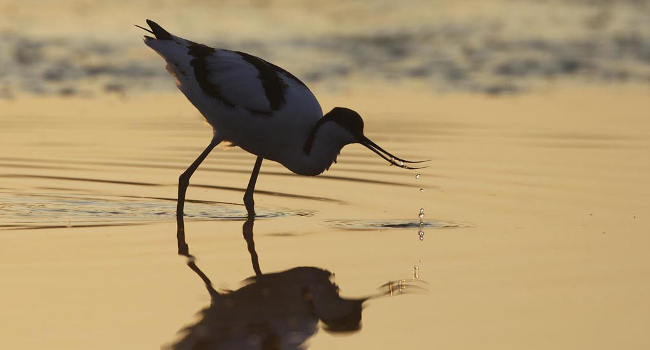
(158, 31)
(274, 86)
(202, 73)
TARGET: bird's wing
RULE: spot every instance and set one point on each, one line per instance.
(247, 81)
(235, 79)
(251, 82)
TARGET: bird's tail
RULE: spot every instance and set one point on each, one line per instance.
(169, 46)
(157, 31)
(172, 48)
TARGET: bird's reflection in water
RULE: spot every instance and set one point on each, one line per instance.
(280, 310)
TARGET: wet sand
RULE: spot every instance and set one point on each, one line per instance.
(536, 209)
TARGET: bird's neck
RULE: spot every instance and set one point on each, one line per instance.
(323, 146)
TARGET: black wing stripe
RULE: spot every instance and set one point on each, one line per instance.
(202, 73)
(287, 74)
(274, 86)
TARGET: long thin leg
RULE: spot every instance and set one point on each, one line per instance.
(183, 182)
(247, 231)
(248, 196)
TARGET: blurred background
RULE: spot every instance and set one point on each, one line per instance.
(86, 48)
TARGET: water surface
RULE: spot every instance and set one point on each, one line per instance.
(534, 223)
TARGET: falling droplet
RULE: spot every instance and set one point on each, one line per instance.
(416, 272)
(421, 190)
(417, 176)
(421, 233)
(421, 215)
(422, 238)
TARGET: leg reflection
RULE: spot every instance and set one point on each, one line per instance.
(247, 231)
(208, 284)
(183, 247)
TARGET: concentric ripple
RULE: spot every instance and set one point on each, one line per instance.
(392, 224)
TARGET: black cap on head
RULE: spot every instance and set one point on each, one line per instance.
(348, 119)
(344, 117)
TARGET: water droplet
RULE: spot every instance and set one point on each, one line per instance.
(421, 233)
(421, 190)
(416, 272)
(417, 176)
(422, 238)
(401, 163)
(421, 214)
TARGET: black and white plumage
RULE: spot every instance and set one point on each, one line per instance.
(259, 107)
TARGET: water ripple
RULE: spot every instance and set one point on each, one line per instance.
(392, 224)
(20, 211)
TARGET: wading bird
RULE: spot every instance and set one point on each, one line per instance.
(259, 107)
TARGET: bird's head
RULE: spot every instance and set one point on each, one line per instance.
(350, 125)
